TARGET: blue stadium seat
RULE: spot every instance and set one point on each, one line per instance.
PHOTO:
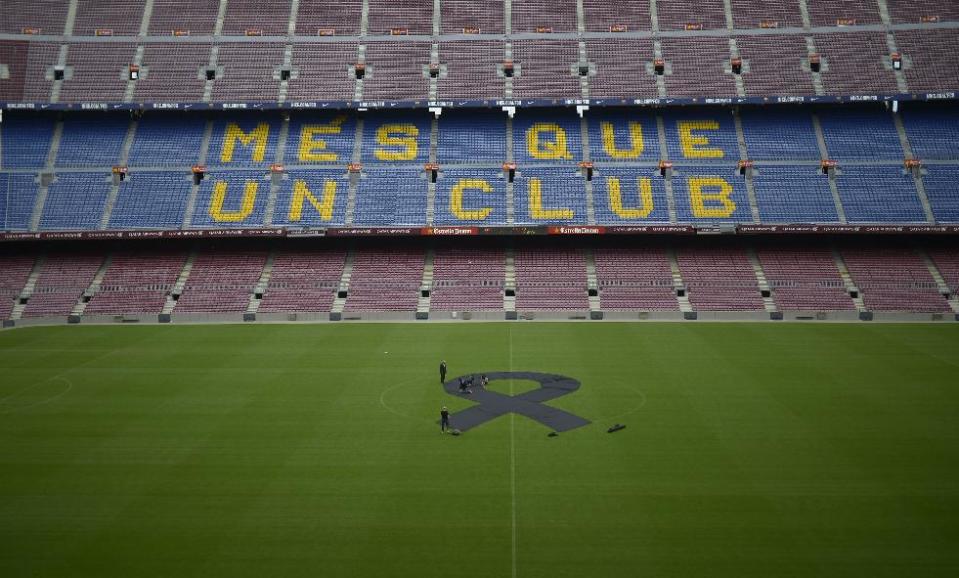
(3, 198)
(550, 148)
(167, 140)
(468, 137)
(21, 196)
(943, 192)
(933, 132)
(773, 133)
(879, 194)
(393, 190)
(719, 136)
(713, 210)
(563, 196)
(860, 134)
(151, 201)
(244, 155)
(472, 198)
(388, 197)
(92, 140)
(237, 209)
(304, 213)
(75, 202)
(381, 146)
(26, 140)
(630, 199)
(329, 142)
(794, 195)
(622, 146)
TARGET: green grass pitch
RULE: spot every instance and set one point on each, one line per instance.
(312, 450)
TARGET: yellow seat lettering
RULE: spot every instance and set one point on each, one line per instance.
(536, 210)
(302, 193)
(219, 198)
(719, 202)
(313, 149)
(456, 199)
(401, 136)
(644, 188)
(636, 143)
(543, 148)
(696, 146)
(258, 138)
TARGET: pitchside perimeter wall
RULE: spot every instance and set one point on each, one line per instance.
(550, 316)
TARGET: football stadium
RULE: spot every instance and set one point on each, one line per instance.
(517, 288)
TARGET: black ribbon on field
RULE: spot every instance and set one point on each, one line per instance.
(530, 404)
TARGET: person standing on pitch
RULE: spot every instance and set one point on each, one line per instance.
(444, 420)
(443, 371)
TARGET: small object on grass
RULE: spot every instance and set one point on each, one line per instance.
(552, 434)
(616, 427)
(455, 432)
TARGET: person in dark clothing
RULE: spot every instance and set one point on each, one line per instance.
(443, 371)
(444, 420)
(464, 386)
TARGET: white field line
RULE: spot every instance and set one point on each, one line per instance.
(512, 452)
(11, 409)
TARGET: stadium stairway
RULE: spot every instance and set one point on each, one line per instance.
(509, 285)
(426, 286)
(180, 284)
(94, 286)
(140, 49)
(592, 282)
(288, 49)
(46, 176)
(824, 154)
(679, 286)
(431, 186)
(811, 49)
(261, 285)
(588, 185)
(343, 289)
(851, 287)
(744, 153)
(664, 154)
(940, 281)
(115, 187)
(276, 179)
(195, 188)
(768, 302)
(916, 174)
(900, 75)
(356, 158)
(28, 288)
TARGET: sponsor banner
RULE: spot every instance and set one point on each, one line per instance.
(516, 231)
(306, 232)
(471, 103)
(576, 230)
(848, 229)
(171, 234)
(472, 231)
(651, 229)
(373, 231)
(450, 231)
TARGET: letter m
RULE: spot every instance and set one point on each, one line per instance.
(257, 138)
